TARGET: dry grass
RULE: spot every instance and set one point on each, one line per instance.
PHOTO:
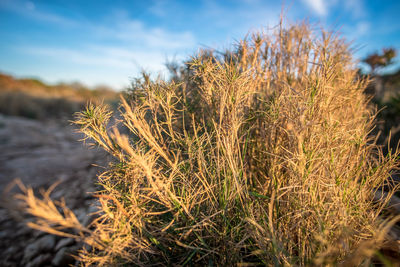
(257, 156)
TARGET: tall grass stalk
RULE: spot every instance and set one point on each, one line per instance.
(259, 155)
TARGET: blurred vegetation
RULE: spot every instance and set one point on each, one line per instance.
(384, 89)
(380, 60)
(32, 98)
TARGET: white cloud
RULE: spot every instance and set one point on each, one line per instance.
(356, 32)
(318, 6)
(355, 7)
(128, 45)
(135, 33)
(83, 57)
(95, 64)
(362, 28)
(234, 22)
(156, 37)
(30, 10)
(321, 7)
(30, 5)
(112, 57)
(159, 8)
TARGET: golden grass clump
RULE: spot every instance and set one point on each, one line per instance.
(257, 156)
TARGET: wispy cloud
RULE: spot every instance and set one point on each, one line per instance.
(318, 6)
(159, 8)
(236, 21)
(113, 57)
(94, 64)
(120, 26)
(362, 27)
(29, 9)
(355, 7)
(118, 43)
(135, 31)
(82, 57)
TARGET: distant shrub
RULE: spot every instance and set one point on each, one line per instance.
(24, 105)
(260, 155)
(34, 99)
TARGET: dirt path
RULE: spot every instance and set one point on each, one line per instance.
(41, 153)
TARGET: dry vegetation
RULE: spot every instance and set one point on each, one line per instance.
(34, 99)
(257, 156)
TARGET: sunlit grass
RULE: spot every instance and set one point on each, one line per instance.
(257, 156)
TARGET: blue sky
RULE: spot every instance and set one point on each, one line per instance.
(109, 42)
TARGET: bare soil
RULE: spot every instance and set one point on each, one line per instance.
(41, 153)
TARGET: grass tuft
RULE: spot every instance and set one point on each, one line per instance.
(260, 155)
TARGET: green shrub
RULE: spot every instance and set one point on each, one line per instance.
(260, 156)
